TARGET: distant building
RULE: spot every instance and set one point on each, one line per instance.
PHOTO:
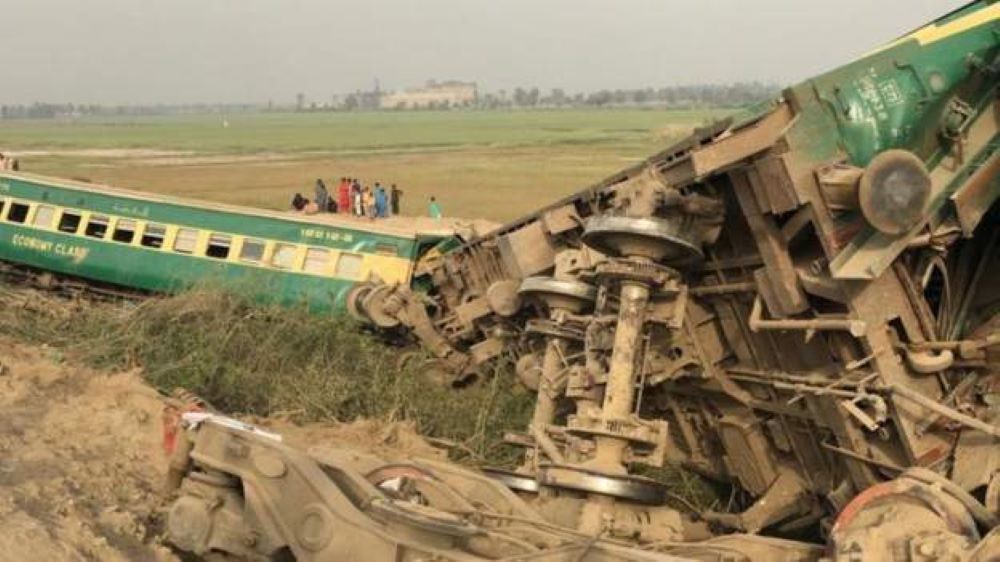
(451, 93)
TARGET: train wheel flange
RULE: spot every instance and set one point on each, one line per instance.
(654, 239)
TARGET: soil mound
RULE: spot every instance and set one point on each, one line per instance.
(80, 461)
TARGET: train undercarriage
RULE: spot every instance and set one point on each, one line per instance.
(801, 303)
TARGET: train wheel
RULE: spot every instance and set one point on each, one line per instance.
(355, 298)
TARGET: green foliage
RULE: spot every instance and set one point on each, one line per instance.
(245, 358)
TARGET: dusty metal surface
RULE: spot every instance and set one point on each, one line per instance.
(245, 494)
(239, 493)
(802, 303)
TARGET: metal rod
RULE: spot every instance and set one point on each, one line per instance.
(857, 328)
(967, 382)
(828, 388)
(988, 341)
(547, 445)
(815, 378)
(860, 457)
(966, 302)
(729, 288)
(945, 411)
(732, 263)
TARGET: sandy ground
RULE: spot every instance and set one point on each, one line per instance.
(81, 463)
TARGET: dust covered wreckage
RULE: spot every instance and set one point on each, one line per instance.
(802, 302)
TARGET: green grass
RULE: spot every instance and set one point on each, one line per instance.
(497, 165)
(340, 132)
(245, 358)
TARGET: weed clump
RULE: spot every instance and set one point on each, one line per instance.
(248, 358)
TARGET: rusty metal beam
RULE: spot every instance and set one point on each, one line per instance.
(977, 195)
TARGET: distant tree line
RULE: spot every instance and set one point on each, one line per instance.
(698, 95)
(737, 94)
(693, 96)
(70, 110)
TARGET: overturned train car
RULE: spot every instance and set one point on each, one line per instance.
(802, 301)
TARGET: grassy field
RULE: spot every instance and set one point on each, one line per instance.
(495, 165)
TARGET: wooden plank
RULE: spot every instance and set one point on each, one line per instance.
(782, 292)
(743, 143)
(777, 184)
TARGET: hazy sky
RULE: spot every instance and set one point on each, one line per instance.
(146, 51)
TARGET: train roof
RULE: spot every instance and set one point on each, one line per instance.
(401, 226)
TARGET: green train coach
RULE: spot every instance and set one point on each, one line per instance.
(161, 244)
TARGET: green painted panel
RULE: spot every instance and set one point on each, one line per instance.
(191, 215)
(898, 97)
(163, 271)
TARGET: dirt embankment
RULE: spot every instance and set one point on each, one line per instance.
(81, 462)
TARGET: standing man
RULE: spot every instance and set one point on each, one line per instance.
(322, 198)
(359, 209)
(433, 209)
(394, 194)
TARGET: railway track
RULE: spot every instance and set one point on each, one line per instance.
(68, 286)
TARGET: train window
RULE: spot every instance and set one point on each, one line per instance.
(69, 222)
(284, 256)
(187, 239)
(252, 250)
(349, 265)
(44, 215)
(384, 249)
(97, 226)
(153, 235)
(218, 246)
(18, 213)
(316, 260)
(2, 202)
(124, 231)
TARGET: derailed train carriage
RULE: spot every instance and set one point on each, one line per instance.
(802, 301)
(66, 233)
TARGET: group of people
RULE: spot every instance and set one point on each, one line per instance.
(352, 198)
(9, 163)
